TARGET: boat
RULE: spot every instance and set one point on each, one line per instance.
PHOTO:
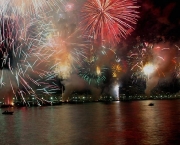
(8, 112)
(151, 104)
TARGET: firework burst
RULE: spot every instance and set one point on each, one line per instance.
(93, 74)
(66, 50)
(109, 20)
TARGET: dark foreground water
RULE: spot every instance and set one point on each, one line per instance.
(117, 123)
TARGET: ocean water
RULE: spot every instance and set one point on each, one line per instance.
(116, 123)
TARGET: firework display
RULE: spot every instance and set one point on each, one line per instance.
(44, 43)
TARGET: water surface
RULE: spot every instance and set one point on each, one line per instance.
(117, 123)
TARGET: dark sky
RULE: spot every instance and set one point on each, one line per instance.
(159, 18)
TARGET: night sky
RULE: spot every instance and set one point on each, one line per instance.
(159, 18)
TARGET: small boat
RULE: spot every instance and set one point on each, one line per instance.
(151, 104)
(8, 112)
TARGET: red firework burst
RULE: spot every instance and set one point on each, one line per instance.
(109, 20)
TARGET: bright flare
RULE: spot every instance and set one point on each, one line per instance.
(98, 70)
(148, 69)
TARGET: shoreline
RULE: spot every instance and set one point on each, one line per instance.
(82, 102)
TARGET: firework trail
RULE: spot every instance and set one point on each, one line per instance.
(12, 44)
(22, 41)
(109, 20)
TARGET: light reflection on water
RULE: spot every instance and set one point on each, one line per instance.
(117, 123)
